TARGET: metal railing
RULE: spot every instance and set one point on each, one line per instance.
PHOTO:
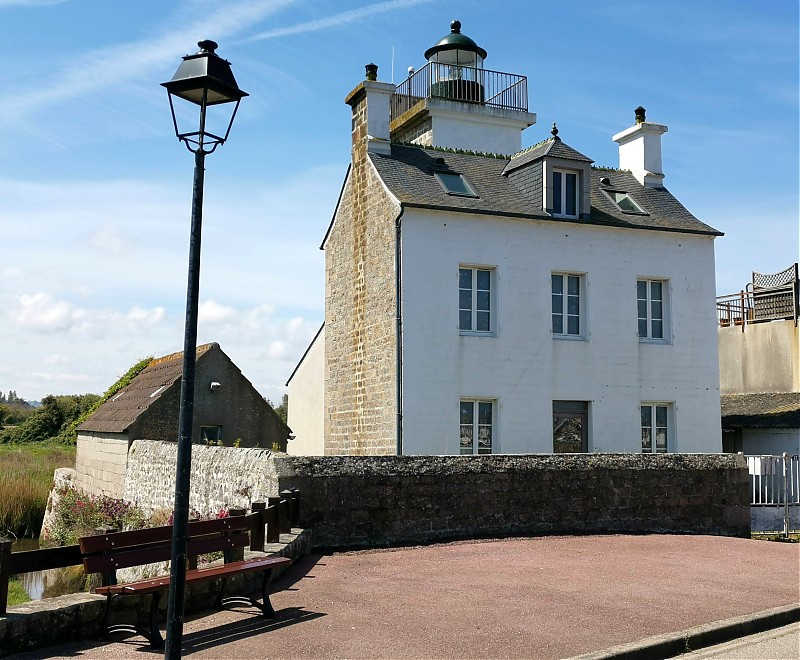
(768, 298)
(775, 482)
(461, 83)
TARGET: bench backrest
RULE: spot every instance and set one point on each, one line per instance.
(110, 552)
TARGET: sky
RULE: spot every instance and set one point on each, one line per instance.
(95, 189)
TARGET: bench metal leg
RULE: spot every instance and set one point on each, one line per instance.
(155, 638)
(265, 606)
(102, 630)
(218, 601)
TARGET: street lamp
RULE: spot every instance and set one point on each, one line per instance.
(206, 80)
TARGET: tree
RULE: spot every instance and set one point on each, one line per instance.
(52, 420)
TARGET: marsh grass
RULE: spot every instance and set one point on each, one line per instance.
(26, 477)
(16, 593)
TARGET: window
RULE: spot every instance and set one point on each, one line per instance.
(623, 201)
(210, 434)
(570, 427)
(565, 193)
(477, 426)
(651, 306)
(566, 304)
(655, 428)
(475, 300)
(455, 184)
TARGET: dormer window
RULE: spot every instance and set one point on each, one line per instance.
(565, 194)
(623, 201)
(455, 184)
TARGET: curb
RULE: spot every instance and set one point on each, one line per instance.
(693, 639)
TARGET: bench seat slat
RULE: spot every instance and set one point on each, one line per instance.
(214, 572)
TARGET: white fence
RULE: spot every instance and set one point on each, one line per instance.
(774, 491)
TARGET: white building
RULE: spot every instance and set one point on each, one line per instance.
(484, 299)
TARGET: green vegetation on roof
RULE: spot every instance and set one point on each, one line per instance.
(451, 150)
(601, 168)
(124, 380)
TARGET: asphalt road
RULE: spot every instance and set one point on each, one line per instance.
(548, 597)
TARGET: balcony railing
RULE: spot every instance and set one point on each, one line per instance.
(768, 298)
(461, 83)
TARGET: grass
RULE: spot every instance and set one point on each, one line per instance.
(16, 593)
(794, 537)
(26, 477)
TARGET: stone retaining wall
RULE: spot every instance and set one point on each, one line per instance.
(372, 501)
(220, 476)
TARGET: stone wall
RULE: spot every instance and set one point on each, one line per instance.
(369, 501)
(360, 308)
(220, 476)
(100, 463)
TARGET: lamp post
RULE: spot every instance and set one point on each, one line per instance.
(205, 80)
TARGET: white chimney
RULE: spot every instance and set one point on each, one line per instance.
(640, 150)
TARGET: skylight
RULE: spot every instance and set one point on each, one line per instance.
(623, 201)
(455, 184)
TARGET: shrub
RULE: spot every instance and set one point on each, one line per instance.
(76, 514)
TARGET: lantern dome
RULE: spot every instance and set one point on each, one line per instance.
(456, 48)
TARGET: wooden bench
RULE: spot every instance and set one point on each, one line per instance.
(107, 553)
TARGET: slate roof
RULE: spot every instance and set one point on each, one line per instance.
(764, 410)
(408, 174)
(121, 410)
(552, 147)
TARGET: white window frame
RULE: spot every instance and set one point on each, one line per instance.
(476, 426)
(561, 173)
(473, 309)
(668, 426)
(649, 317)
(565, 296)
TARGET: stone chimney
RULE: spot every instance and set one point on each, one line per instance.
(371, 114)
(640, 150)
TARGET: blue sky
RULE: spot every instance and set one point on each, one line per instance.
(95, 189)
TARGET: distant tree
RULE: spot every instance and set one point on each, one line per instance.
(52, 420)
(283, 409)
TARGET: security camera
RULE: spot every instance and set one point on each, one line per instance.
(215, 386)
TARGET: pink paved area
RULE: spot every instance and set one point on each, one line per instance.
(549, 597)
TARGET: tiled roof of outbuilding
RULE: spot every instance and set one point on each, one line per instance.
(408, 174)
(122, 409)
(762, 410)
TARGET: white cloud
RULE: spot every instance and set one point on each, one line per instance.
(212, 312)
(110, 240)
(41, 312)
(55, 358)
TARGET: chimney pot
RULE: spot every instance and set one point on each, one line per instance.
(640, 115)
(372, 71)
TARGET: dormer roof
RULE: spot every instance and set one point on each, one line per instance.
(553, 147)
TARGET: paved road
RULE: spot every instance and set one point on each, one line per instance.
(779, 644)
(549, 597)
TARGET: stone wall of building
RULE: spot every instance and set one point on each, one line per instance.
(220, 476)
(373, 501)
(101, 463)
(360, 309)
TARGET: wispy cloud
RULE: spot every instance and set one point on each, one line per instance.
(30, 3)
(108, 67)
(337, 20)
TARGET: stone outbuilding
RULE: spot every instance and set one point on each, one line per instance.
(228, 410)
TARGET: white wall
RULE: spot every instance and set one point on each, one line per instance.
(101, 462)
(306, 402)
(523, 367)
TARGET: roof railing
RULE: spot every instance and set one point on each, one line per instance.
(768, 298)
(461, 83)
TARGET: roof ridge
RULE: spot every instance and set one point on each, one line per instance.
(452, 150)
(174, 356)
(603, 168)
(533, 146)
